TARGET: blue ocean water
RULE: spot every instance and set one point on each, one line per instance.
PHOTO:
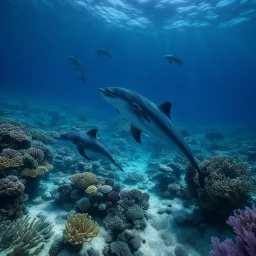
(216, 41)
(146, 197)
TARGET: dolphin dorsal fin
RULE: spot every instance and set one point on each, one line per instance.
(93, 133)
(165, 107)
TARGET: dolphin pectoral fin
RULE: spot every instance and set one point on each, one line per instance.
(165, 107)
(136, 133)
(118, 111)
(82, 153)
(170, 61)
(98, 54)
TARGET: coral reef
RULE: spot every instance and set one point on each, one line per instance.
(25, 236)
(84, 180)
(226, 188)
(80, 229)
(243, 223)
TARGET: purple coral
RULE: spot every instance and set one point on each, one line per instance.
(243, 223)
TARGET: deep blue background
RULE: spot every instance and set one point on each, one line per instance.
(216, 85)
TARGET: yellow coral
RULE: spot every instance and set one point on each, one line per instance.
(9, 163)
(84, 180)
(41, 170)
(80, 228)
(91, 190)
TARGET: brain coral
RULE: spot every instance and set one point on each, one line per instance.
(84, 180)
(226, 187)
(91, 190)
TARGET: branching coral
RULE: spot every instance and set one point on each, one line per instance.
(25, 237)
(244, 225)
(226, 187)
(84, 180)
(80, 229)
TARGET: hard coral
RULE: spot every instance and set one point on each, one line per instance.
(25, 237)
(84, 180)
(10, 162)
(41, 170)
(244, 225)
(226, 187)
(80, 229)
(91, 190)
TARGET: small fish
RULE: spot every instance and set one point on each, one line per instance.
(77, 65)
(172, 58)
(88, 142)
(104, 52)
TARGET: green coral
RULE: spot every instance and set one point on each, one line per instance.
(10, 163)
(84, 180)
(226, 188)
(79, 229)
(25, 237)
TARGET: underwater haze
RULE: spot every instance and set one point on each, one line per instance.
(127, 128)
(215, 39)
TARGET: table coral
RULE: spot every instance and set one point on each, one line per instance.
(79, 229)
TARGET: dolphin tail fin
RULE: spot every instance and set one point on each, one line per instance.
(82, 78)
(119, 167)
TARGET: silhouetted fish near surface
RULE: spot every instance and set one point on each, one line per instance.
(77, 65)
(152, 119)
(88, 142)
(172, 58)
(104, 52)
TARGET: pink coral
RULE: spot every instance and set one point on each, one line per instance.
(36, 153)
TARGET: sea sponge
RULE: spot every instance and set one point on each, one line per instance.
(80, 229)
(91, 190)
(84, 180)
(10, 163)
(226, 188)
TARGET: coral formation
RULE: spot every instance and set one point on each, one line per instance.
(226, 187)
(84, 180)
(80, 229)
(243, 223)
(25, 236)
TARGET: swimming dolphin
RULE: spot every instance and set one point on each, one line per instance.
(104, 52)
(77, 64)
(88, 141)
(172, 58)
(147, 117)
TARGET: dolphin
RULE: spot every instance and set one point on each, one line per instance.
(88, 142)
(77, 64)
(172, 58)
(104, 52)
(152, 119)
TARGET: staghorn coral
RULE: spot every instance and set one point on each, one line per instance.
(244, 226)
(226, 187)
(80, 229)
(84, 180)
(91, 190)
(25, 237)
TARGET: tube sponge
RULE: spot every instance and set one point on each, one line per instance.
(79, 229)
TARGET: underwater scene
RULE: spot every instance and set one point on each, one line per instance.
(127, 128)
